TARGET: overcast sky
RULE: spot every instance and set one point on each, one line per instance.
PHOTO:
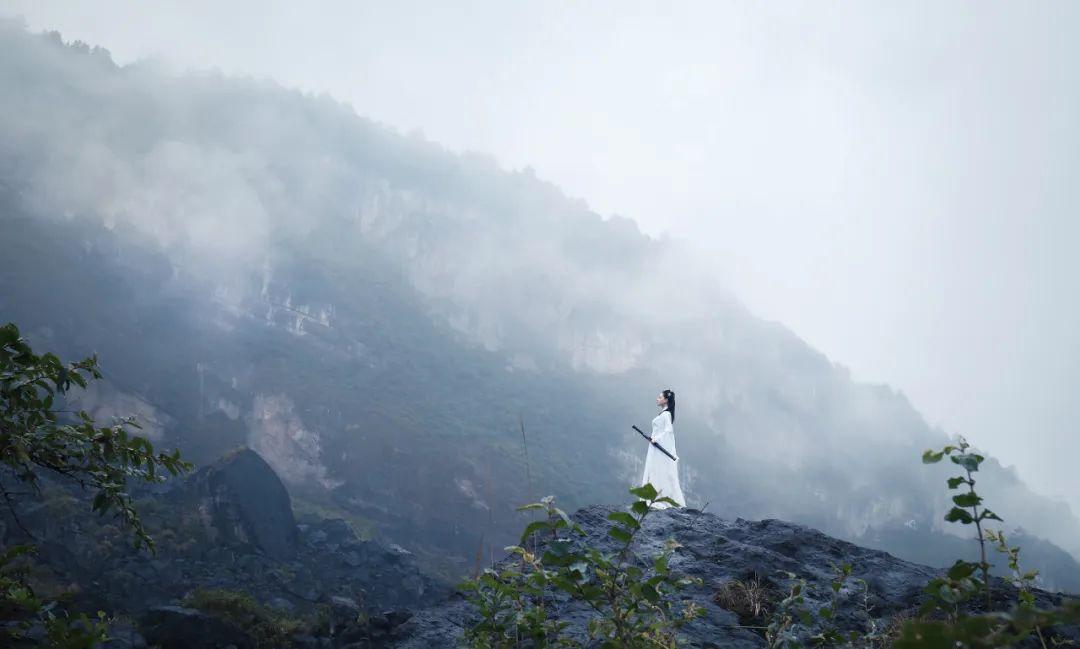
(899, 183)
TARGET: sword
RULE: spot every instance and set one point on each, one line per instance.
(656, 444)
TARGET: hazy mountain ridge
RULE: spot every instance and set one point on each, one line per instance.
(375, 305)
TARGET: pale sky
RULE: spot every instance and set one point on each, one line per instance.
(899, 183)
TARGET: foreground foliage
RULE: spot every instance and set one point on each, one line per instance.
(37, 438)
(946, 620)
(518, 604)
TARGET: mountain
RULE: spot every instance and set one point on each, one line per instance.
(378, 317)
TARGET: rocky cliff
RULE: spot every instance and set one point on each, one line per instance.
(750, 554)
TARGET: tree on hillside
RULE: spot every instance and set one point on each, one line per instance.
(38, 438)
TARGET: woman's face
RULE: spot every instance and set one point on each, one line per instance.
(660, 400)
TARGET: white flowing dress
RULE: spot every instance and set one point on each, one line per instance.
(661, 470)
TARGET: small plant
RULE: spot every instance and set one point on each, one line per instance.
(1023, 581)
(780, 633)
(831, 635)
(947, 595)
(752, 601)
(959, 583)
(631, 605)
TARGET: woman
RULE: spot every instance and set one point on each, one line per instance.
(660, 470)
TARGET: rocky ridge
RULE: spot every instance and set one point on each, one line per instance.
(721, 552)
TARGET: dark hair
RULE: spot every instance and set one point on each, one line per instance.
(670, 407)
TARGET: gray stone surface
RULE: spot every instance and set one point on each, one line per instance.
(244, 502)
(717, 551)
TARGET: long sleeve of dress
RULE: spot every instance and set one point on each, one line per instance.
(666, 435)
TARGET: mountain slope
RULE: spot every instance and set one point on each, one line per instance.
(375, 315)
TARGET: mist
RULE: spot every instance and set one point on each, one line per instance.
(898, 185)
(230, 180)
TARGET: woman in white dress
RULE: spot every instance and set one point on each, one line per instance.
(660, 470)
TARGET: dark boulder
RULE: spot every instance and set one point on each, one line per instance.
(242, 502)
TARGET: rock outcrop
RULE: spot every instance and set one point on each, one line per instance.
(721, 553)
(242, 501)
(229, 527)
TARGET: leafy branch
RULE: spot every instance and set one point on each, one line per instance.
(946, 594)
(33, 437)
(966, 505)
(631, 605)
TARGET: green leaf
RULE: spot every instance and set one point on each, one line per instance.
(532, 528)
(9, 334)
(969, 499)
(101, 502)
(620, 534)
(959, 515)
(625, 519)
(558, 548)
(645, 492)
(969, 461)
(962, 570)
(932, 457)
(956, 482)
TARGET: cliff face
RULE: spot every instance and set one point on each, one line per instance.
(723, 553)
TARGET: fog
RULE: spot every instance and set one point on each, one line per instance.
(896, 187)
(897, 184)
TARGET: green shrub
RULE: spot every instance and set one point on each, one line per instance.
(35, 440)
(631, 606)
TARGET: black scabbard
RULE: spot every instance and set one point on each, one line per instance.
(656, 444)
